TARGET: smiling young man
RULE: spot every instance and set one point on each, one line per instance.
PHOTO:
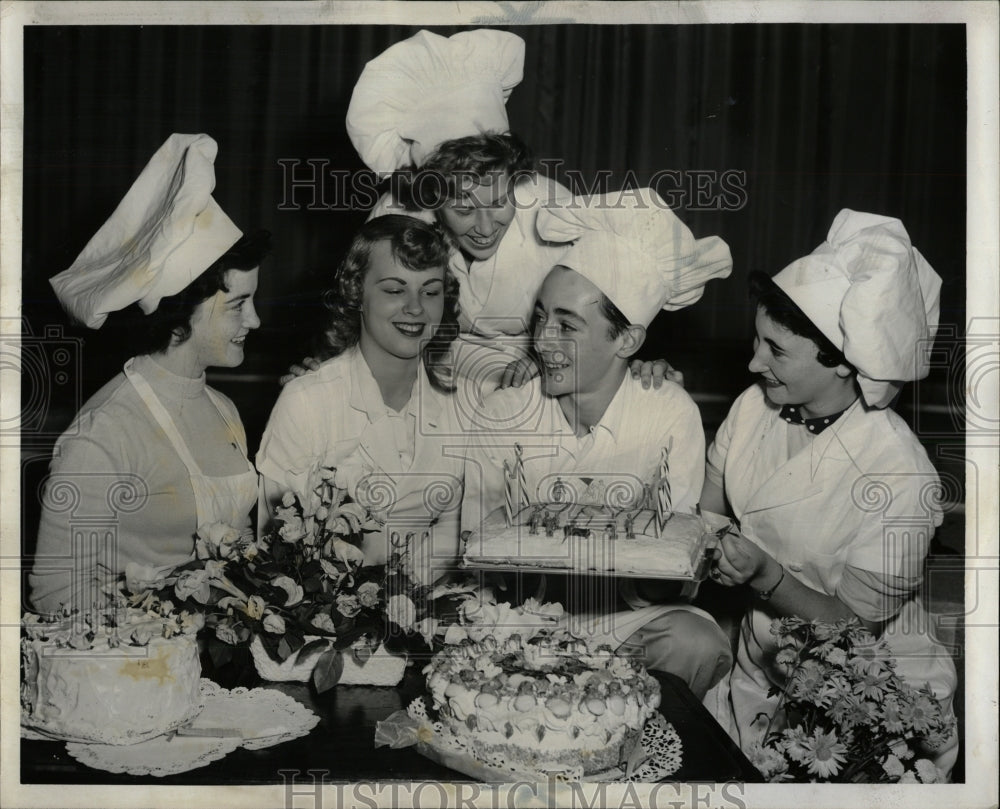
(588, 423)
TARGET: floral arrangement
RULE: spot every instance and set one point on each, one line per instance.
(300, 590)
(848, 717)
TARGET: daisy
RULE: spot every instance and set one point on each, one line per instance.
(824, 754)
(891, 719)
(795, 744)
(920, 714)
(872, 684)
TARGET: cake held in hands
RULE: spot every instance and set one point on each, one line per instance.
(597, 538)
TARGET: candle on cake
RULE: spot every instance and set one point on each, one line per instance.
(663, 503)
(522, 482)
(508, 497)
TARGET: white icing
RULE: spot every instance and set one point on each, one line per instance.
(519, 716)
(674, 553)
(108, 692)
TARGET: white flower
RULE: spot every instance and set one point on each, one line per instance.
(330, 570)
(368, 594)
(274, 623)
(141, 636)
(255, 607)
(191, 622)
(145, 577)
(893, 767)
(193, 584)
(227, 634)
(400, 610)
(926, 771)
(292, 589)
(288, 499)
(324, 622)
(347, 553)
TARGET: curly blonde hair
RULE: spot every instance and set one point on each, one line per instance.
(416, 245)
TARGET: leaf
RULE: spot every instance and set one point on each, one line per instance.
(327, 671)
(284, 650)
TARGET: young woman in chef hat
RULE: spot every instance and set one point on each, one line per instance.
(430, 112)
(155, 453)
(834, 494)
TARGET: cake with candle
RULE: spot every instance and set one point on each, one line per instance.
(542, 703)
(117, 680)
(594, 525)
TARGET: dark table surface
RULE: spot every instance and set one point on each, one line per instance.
(341, 748)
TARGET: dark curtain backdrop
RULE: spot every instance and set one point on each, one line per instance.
(816, 117)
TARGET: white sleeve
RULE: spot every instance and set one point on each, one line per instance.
(295, 439)
(680, 425)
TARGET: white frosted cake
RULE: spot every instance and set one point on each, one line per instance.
(548, 703)
(598, 538)
(109, 684)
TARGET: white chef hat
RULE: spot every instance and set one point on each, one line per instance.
(428, 89)
(873, 296)
(635, 250)
(165, 233)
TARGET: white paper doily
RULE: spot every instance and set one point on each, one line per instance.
(157, 757)
(266, 717)
(661, 749)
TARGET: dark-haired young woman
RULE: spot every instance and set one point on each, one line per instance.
(836, 498)
(155, 453)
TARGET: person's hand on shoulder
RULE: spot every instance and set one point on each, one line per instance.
(655, 372)
(296, 370)
(518, 373)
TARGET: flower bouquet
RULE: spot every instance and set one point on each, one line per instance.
(844, 714)
(300, 598)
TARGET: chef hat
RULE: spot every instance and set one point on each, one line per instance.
(873, 296)
(428, 89)
(165, 233)
(635, 250)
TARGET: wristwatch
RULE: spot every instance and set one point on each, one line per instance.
(765, 595)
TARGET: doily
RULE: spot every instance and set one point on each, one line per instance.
(160, 756)
(660, 757)
(266, 717)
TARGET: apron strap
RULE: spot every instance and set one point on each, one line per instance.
(162, 417)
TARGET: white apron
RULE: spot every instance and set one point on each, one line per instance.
(221, 498)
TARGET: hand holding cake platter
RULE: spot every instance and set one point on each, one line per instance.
(620, 526)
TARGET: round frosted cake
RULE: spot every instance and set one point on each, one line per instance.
(546, 704)
(109, 684)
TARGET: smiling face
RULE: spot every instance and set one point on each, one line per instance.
(220, 324)
(480, 216)
(791, 373)
(400, 308)
(571, 337)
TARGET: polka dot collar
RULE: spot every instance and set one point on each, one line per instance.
(793, 415)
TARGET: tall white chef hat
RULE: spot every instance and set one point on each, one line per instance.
(428, 89)
(635, 250)
(873, 295)
(165, 233)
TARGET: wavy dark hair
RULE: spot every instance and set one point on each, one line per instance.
(172, 317)
(416, 245)
(460, 163)
(785, 312)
